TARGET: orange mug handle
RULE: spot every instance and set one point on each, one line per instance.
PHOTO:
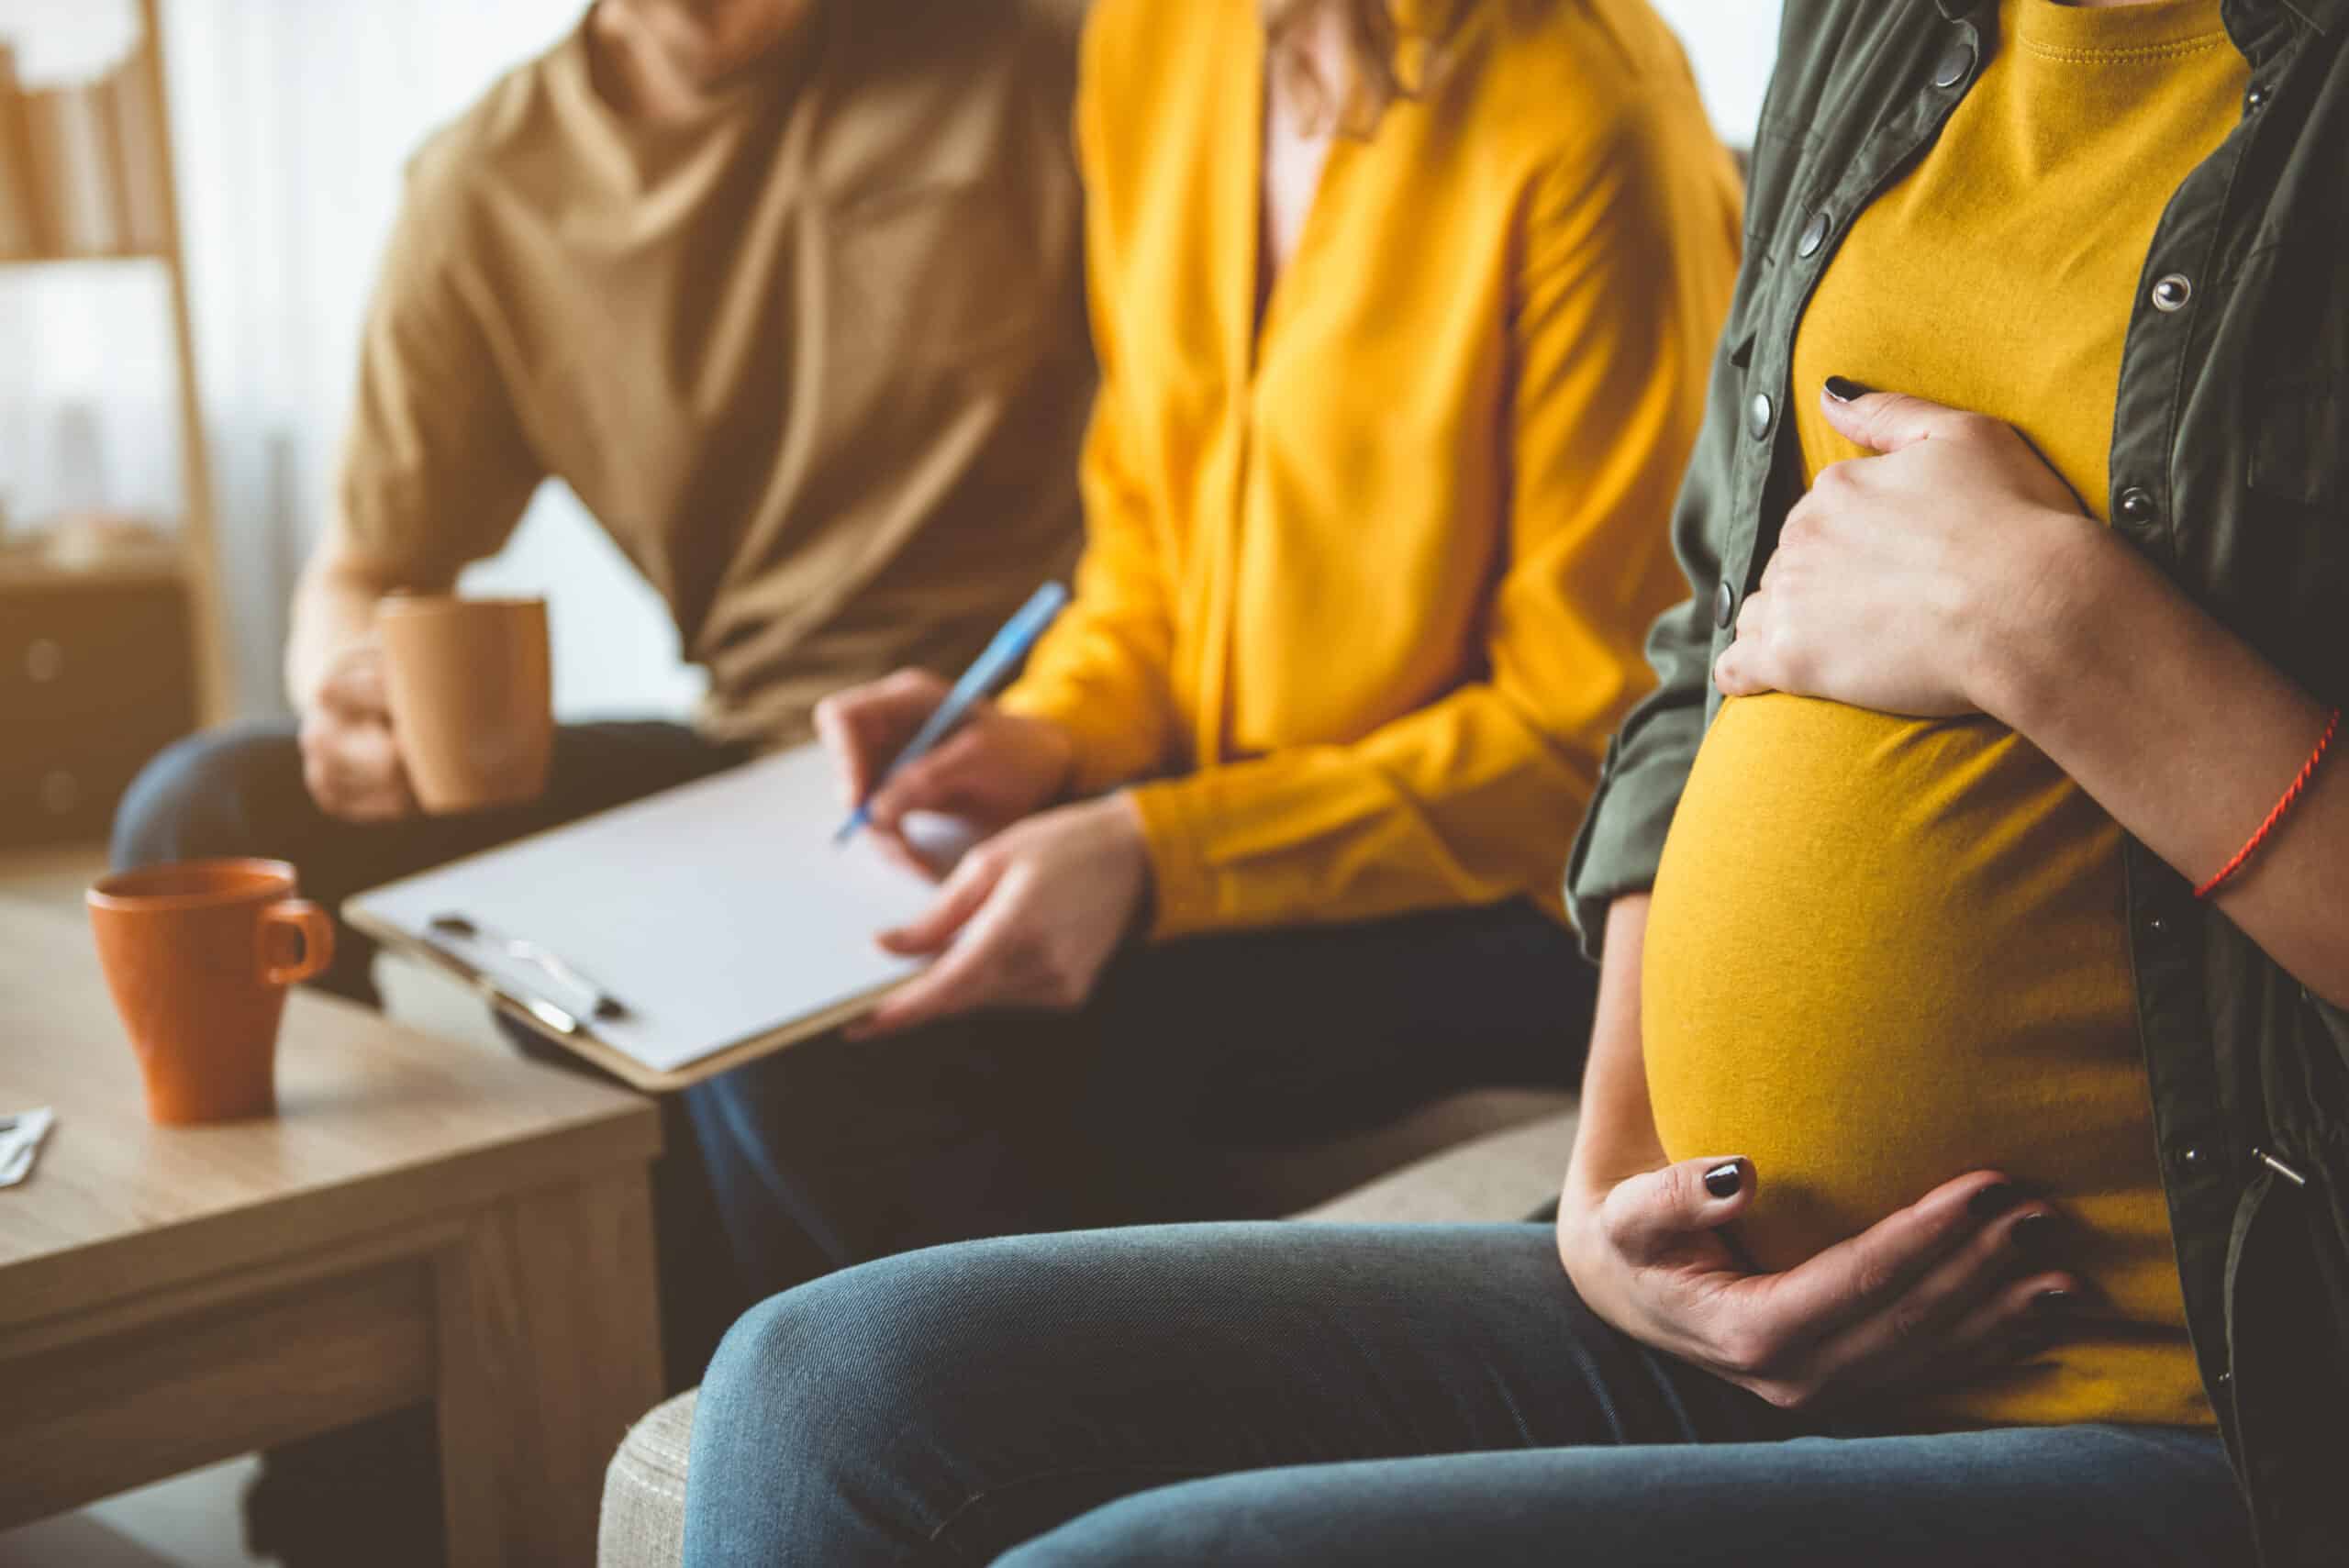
(310, 925)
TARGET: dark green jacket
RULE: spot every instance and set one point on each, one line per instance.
(2230, 471)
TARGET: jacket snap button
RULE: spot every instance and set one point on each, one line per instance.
(2136, 505)
(1724, 606)
(1955, 63)
(2255, 98)
(1814, 234)
(2171, 292)
(1758, 414)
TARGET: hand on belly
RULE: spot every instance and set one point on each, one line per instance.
(1950, 1287)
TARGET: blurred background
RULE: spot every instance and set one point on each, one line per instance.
(288, 123)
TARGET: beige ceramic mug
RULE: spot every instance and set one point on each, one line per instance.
(471, 687)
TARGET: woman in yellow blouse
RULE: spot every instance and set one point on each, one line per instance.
(1405, 311)
(1404, 325)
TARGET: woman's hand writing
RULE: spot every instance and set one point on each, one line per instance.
(993, 769)
(1027, 919)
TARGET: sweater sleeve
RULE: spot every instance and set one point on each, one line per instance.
(434, 470)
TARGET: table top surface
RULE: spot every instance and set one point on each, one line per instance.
(376, 1125)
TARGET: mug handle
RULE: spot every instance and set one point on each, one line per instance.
(311, 924)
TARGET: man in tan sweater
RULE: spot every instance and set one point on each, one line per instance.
(789, 292)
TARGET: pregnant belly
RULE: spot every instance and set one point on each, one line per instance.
(1883, 952)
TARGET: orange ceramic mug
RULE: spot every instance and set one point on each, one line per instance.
(198, 956)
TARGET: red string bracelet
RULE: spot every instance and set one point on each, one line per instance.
(2308, 771)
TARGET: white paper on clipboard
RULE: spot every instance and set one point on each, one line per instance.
(716, 913)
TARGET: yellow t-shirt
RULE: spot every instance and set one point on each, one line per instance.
(1366, 585)
(1885, 951)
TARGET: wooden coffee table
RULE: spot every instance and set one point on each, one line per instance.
(421, 1221)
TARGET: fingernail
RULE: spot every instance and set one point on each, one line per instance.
(1991, 1202)
(1723, 1181)
(1842, 389)
(2052, 1303)
(2035, 1234)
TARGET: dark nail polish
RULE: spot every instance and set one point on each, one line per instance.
(2052, 1303)
(1991, 1202)
(1842, 389)
(1723, 1181)
(2035, 1234)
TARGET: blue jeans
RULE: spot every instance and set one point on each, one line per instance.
(1335, 1394)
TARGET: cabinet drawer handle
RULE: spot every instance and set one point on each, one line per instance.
(44, 660)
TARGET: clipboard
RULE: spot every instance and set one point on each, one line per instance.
(718, 919)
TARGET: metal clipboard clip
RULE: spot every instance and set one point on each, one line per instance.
(451, 927)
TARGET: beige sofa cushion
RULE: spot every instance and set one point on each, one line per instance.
(644, 1491)
(1500, 1176)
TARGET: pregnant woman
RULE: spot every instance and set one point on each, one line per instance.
(1963, 1174)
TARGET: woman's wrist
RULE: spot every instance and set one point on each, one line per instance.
(1134, 834)
(1579, 1236)
(1593, 1264)
(2021, 651)
(1573, 1233)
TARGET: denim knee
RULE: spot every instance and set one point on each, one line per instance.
(760, 1390)
(819, 1424)
(204, 796)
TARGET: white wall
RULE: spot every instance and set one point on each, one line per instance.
(1731, 44)
(293, 118)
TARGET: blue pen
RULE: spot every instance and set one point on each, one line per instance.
(1010, 646)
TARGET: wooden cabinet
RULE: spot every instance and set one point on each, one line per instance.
(142, 140)
(95, 679)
